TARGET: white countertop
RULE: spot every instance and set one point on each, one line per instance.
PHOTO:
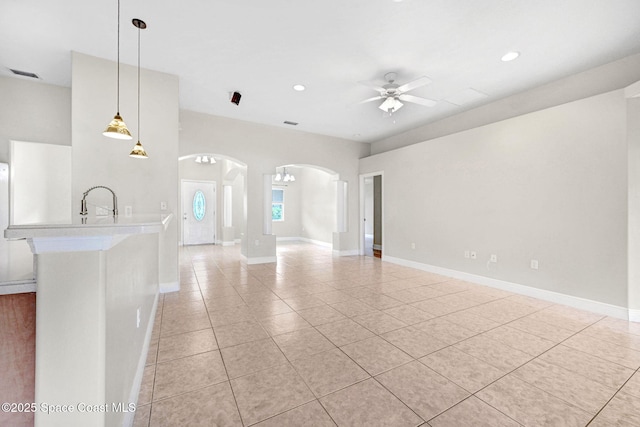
(86, 233)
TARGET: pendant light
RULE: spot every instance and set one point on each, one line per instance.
(138, 150)
(117, 128)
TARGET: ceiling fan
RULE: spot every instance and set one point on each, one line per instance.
(392, 93)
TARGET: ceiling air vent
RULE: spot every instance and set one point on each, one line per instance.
(24, 73)
(287, 122)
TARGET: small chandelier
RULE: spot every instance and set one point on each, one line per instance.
(206, 159)
(284, 176)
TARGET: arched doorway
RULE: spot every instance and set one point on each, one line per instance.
(306, 204)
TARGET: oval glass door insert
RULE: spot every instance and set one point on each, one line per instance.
(199, 205)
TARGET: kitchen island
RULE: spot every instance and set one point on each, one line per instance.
(97, 290)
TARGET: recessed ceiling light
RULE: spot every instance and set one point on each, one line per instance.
(510, 56)
(299, 88)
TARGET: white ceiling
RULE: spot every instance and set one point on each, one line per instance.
(262, 48)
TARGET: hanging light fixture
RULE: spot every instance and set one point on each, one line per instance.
(278, 177)
(138, 150)
(117, 128)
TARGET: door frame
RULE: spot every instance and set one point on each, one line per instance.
(361, 226)
(215, 208)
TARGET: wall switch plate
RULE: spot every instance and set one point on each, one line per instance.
(163, 206)
(494, 258)
(257, 242)
(128, 211)
(413, 245)
(474, 255)
(534, 264)
(466, 254)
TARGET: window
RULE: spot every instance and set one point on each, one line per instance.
(277, 204)
(199, 205)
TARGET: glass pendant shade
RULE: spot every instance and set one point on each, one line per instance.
(117, 129)
(138, 152)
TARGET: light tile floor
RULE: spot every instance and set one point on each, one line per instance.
(318, 340)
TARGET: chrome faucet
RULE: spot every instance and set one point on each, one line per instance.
(83, 210)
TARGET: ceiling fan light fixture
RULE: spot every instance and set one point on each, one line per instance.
(390, 105)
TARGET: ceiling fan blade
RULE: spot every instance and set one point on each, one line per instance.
(375, 98)
(420, 81)
(417, 100)
(374, 86)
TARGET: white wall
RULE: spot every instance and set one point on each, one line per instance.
(549, 185)
(238, 213)
(291, 226)
(263, 148)
(633, 142)
(40, 183)
(317, 204)
(98, 160)
(368, 206)
(33, 111)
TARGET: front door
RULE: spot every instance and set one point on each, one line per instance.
(198, 212)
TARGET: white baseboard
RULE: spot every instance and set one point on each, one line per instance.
(634, 315)
(18, 288)
(287, 239)
(261, 260)
(229, 243)
(555, 297)
(169, 287)
(142, 362)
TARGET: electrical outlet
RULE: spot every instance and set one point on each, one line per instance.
(257, 242)
(534, 264)
(494, 258)
(128, 211)
(413, 245)
(466, 254)
(163, 206)
(474, 255)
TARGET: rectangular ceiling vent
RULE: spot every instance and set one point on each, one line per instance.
(287, 122)
(24, 73)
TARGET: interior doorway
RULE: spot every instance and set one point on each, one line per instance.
(198, 212)
(371, 215)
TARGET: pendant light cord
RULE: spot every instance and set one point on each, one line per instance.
(139, 84)
(118, 84)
